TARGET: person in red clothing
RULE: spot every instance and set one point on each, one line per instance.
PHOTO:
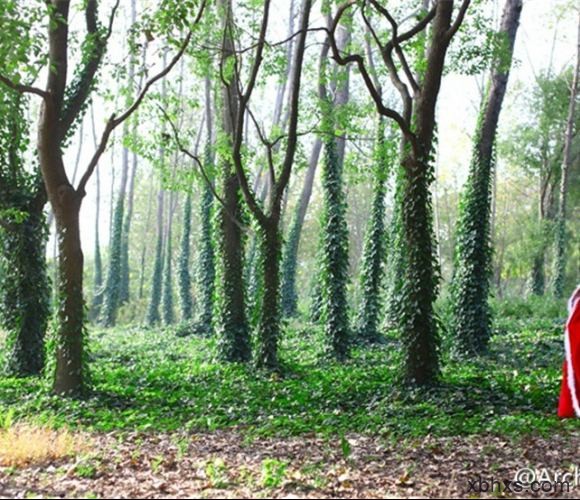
(569, 405)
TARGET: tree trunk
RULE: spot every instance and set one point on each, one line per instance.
(334, 265)
(420, 282)
(232, 323)
(473, 265)
(374, 252)
(290, 258)
(124, 289)
(95, 309)
(560, 258)
(167, 288)
(69, 373)
(25, 290)
(153, 315)
(269, 327)
(184, 274)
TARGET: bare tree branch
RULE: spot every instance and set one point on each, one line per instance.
(458, 19)
(23, 89)
(238, 129)
(115, 121)
(85, 77)
(201, 167)
(388, 48)
(359, 61)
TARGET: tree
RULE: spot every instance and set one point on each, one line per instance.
(290, 252)
(535, 146)
(560, 243)
(375, 246)
(95, 309)
(417, 124)
(231, 321)
(117, 268)
(184, 276)
(334, 249)
(206, 255)
(153, 315)
(24, 285)
(267, 218)
(62, 104)
(472, 273)
(167, 295)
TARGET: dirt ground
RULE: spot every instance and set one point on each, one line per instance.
(227, 464)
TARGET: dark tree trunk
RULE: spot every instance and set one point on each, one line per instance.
(232, 325)
(24, 297)
(232, 317)
(416, 314)
(269, 326)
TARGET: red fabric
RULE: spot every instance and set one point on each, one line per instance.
(565, 406)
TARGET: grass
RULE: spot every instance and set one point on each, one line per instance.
(154, 380)
(25, 444)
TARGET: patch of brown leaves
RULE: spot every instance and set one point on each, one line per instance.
(226, 465)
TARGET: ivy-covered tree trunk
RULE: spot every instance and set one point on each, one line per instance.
(473, 252)
(269, 326)
(290, 252)
(24, 287)
(333, 305)
(167, 293)
(420, 279)
(561, 237)
(231, 321)
(168, 312)
(375, 247)
(112, 282)
(24, 282)
(184, 257)
(395, 266)
(153, 315)
(206, 259)
(71, 376)
(268, 219)
(316, 309)
(254, 280)
(334, 245)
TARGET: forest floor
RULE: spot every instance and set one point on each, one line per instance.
(223, 464)
(166, 419)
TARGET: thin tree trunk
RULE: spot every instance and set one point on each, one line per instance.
(290, 258)
(560, 259)
(98, 266)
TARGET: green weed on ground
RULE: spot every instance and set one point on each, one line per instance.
(155, 380)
